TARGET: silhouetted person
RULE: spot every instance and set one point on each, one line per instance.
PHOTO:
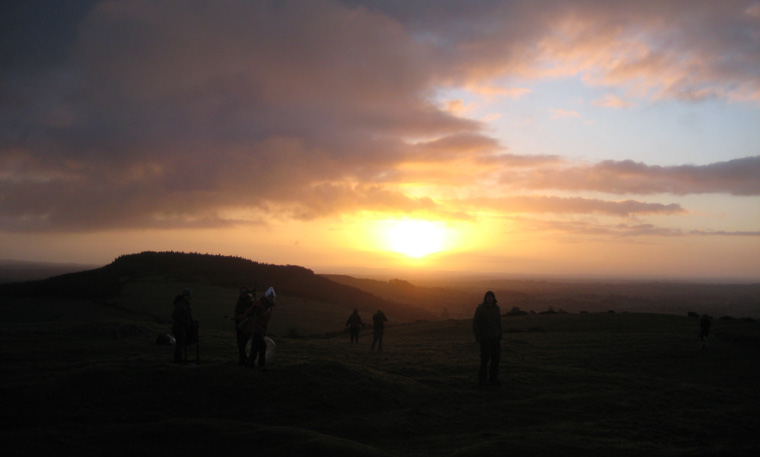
(378, 324)
(487, 327)
(245, 300)
(257, 320)
(354, 323)
(704, 329)
(182, 325)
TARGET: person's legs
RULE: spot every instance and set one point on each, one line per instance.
(242, 340)
(485, 355)
(251, 356)
(260, 349)
(493, 376)
(180, 347)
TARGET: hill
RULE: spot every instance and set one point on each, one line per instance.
(154, 277)
(442, 301)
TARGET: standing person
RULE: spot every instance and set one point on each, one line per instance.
(378, 324)
(487, 327)
(258, 316)
(182, 324)
(245, 300)
(354, 323)
(704, 329)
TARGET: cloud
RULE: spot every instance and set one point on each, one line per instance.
(573, 205)
(616, 230)
(735, 177)
(612, 101)
(147, 114)
(496, 91)
(724, 233)
(558, 113)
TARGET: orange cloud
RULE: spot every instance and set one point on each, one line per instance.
(612, 101)
(558, 113)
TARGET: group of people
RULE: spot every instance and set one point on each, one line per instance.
(252, 316)
(488, 333)
(486, 324)
(354, 323)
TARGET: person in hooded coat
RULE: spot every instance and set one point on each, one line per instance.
(487, 327)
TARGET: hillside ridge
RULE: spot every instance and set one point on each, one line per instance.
(212, 269)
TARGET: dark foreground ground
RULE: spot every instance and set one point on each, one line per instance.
(89, 382)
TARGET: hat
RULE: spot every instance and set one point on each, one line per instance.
(269, 295)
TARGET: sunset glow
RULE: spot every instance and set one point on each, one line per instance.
(595, 138)
(415, 238)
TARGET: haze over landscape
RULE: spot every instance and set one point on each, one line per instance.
(576, 138)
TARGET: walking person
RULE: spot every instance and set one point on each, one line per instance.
(182, 325)
(354, 323)
(487, 327)
(378, 324)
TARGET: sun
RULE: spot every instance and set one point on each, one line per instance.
(416, 238)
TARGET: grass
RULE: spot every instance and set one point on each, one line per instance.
(87, 378)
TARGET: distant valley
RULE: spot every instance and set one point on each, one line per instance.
(21, 270)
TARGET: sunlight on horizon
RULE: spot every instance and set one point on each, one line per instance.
(415, 238)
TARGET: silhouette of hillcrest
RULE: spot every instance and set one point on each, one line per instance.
(216, 270)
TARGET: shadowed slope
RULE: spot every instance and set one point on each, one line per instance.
(595, 384)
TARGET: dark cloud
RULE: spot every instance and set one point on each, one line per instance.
(39, 33)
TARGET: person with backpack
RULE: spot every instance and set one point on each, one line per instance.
(487, 327)
(354, 323)
(378, 329)
(244, 301)
(182, 325)
(257, 318)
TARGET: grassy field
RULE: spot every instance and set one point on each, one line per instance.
(84, 378)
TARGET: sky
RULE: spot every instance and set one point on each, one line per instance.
(510, 137)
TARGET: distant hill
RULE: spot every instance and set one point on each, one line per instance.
(458, 297)
(444, 302)
(21, 270)
(217, 270)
